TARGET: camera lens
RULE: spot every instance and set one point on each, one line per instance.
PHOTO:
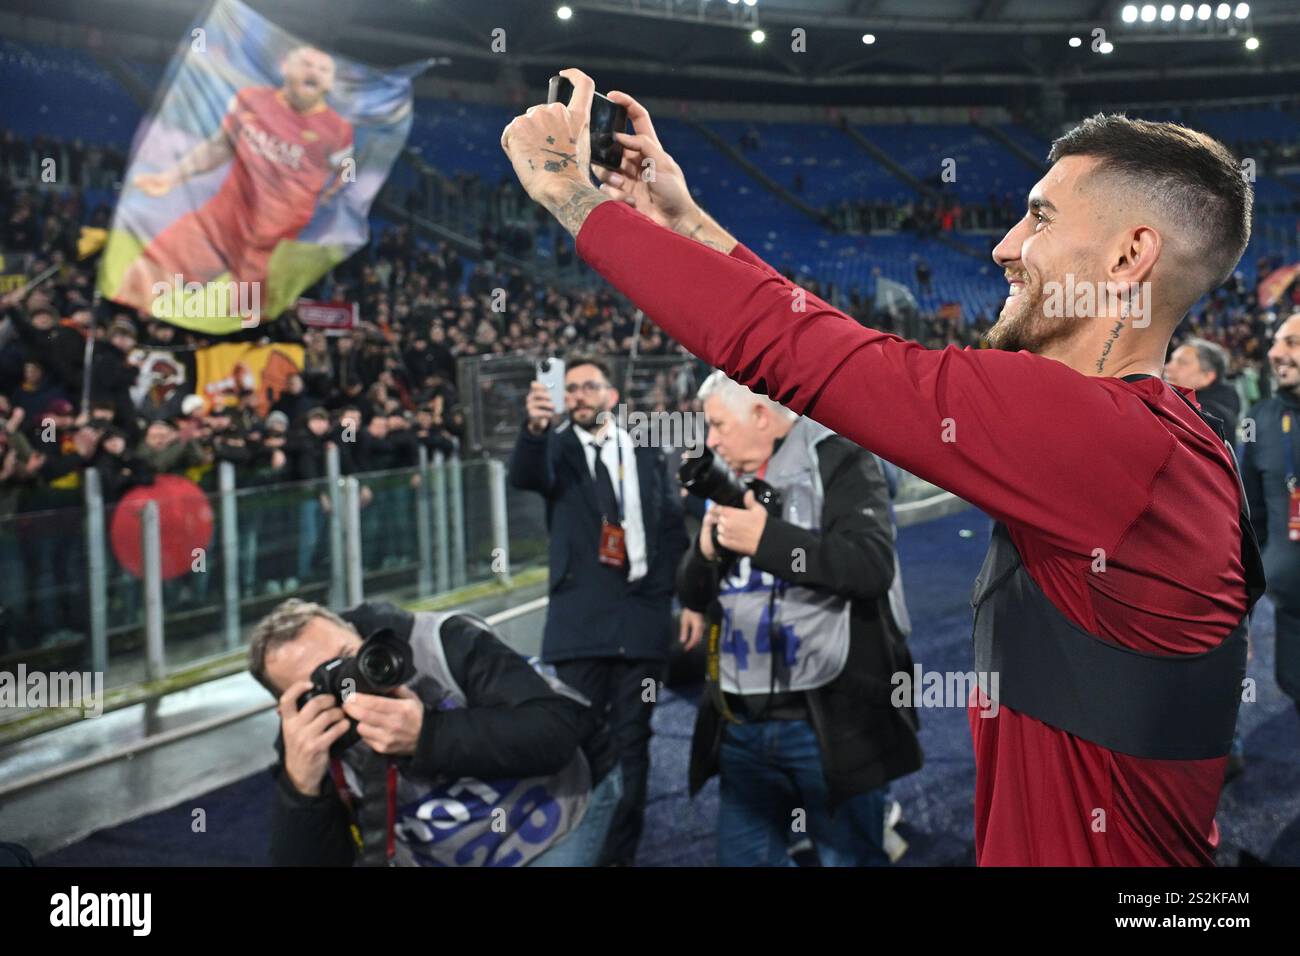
(380, 666)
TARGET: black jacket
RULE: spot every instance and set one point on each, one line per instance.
(306, 454)
(864, 740)
(118, 474)
(1222, 401)
(594, 612)
(513, 725)
(1264, 471)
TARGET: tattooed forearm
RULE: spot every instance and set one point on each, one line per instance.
(703, 228)
(574, 204)
(695, 234)
(1114, 334)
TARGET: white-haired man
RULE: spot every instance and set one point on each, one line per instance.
(806, 641)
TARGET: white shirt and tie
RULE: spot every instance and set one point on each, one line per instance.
(633, 526)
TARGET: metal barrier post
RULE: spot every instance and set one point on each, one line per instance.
(151, 536)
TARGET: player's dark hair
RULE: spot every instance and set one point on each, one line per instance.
(1191, 177)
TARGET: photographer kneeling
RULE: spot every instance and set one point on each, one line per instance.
(791, 577)
(429, 743)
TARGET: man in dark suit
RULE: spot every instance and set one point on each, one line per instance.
(616, 535)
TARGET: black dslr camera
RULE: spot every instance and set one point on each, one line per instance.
(382, 664)
(708, 476)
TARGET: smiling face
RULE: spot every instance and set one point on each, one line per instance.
(1284, 356)
(1060, 234)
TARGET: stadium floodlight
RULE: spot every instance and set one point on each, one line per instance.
(1242, 11)
(1167, 12)
(1223, 11)
(758, 36)
(868, 38)
(750, 3)
(564, 13)
(733, 2)
(1186, 12)
(1148, 12)
(1129, 14)
(1106, 47)
(1075, 41)
(1203, 12)
(1252, 44)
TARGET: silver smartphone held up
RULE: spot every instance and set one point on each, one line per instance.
(550, 372)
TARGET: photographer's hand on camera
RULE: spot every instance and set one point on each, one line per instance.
(539, 408)
(739, 530)
(308, 734)
(388, 725)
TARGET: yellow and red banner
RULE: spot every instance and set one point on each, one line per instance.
(223, 372)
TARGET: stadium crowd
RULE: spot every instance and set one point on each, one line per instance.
(377, 391)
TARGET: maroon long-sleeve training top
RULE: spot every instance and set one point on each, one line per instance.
(1071, 463)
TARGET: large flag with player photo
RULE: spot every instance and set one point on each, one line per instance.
(252, 175)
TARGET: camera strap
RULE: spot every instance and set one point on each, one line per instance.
(341, 787)
(714, 666)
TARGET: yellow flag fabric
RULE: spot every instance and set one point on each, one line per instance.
(223, 371)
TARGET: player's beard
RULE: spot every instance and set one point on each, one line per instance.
(1023, 326)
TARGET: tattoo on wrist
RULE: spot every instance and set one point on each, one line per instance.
(575, 204)
(694, 232)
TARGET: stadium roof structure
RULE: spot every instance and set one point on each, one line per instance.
(879, 52)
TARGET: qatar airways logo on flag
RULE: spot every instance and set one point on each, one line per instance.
(270, 147)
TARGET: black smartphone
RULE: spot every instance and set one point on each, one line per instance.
(607, 118)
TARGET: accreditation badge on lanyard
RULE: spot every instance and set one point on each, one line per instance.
(613, 539)
(1293, 492)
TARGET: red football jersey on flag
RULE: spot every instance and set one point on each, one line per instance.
(283, 160)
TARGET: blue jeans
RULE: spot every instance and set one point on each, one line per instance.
(582, 845)
(772, 769)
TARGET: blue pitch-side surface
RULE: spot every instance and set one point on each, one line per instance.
(1259, 812)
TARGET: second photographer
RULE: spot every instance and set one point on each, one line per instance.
(789, 582)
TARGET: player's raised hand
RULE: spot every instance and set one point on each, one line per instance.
(649, 180)
(550, 145)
